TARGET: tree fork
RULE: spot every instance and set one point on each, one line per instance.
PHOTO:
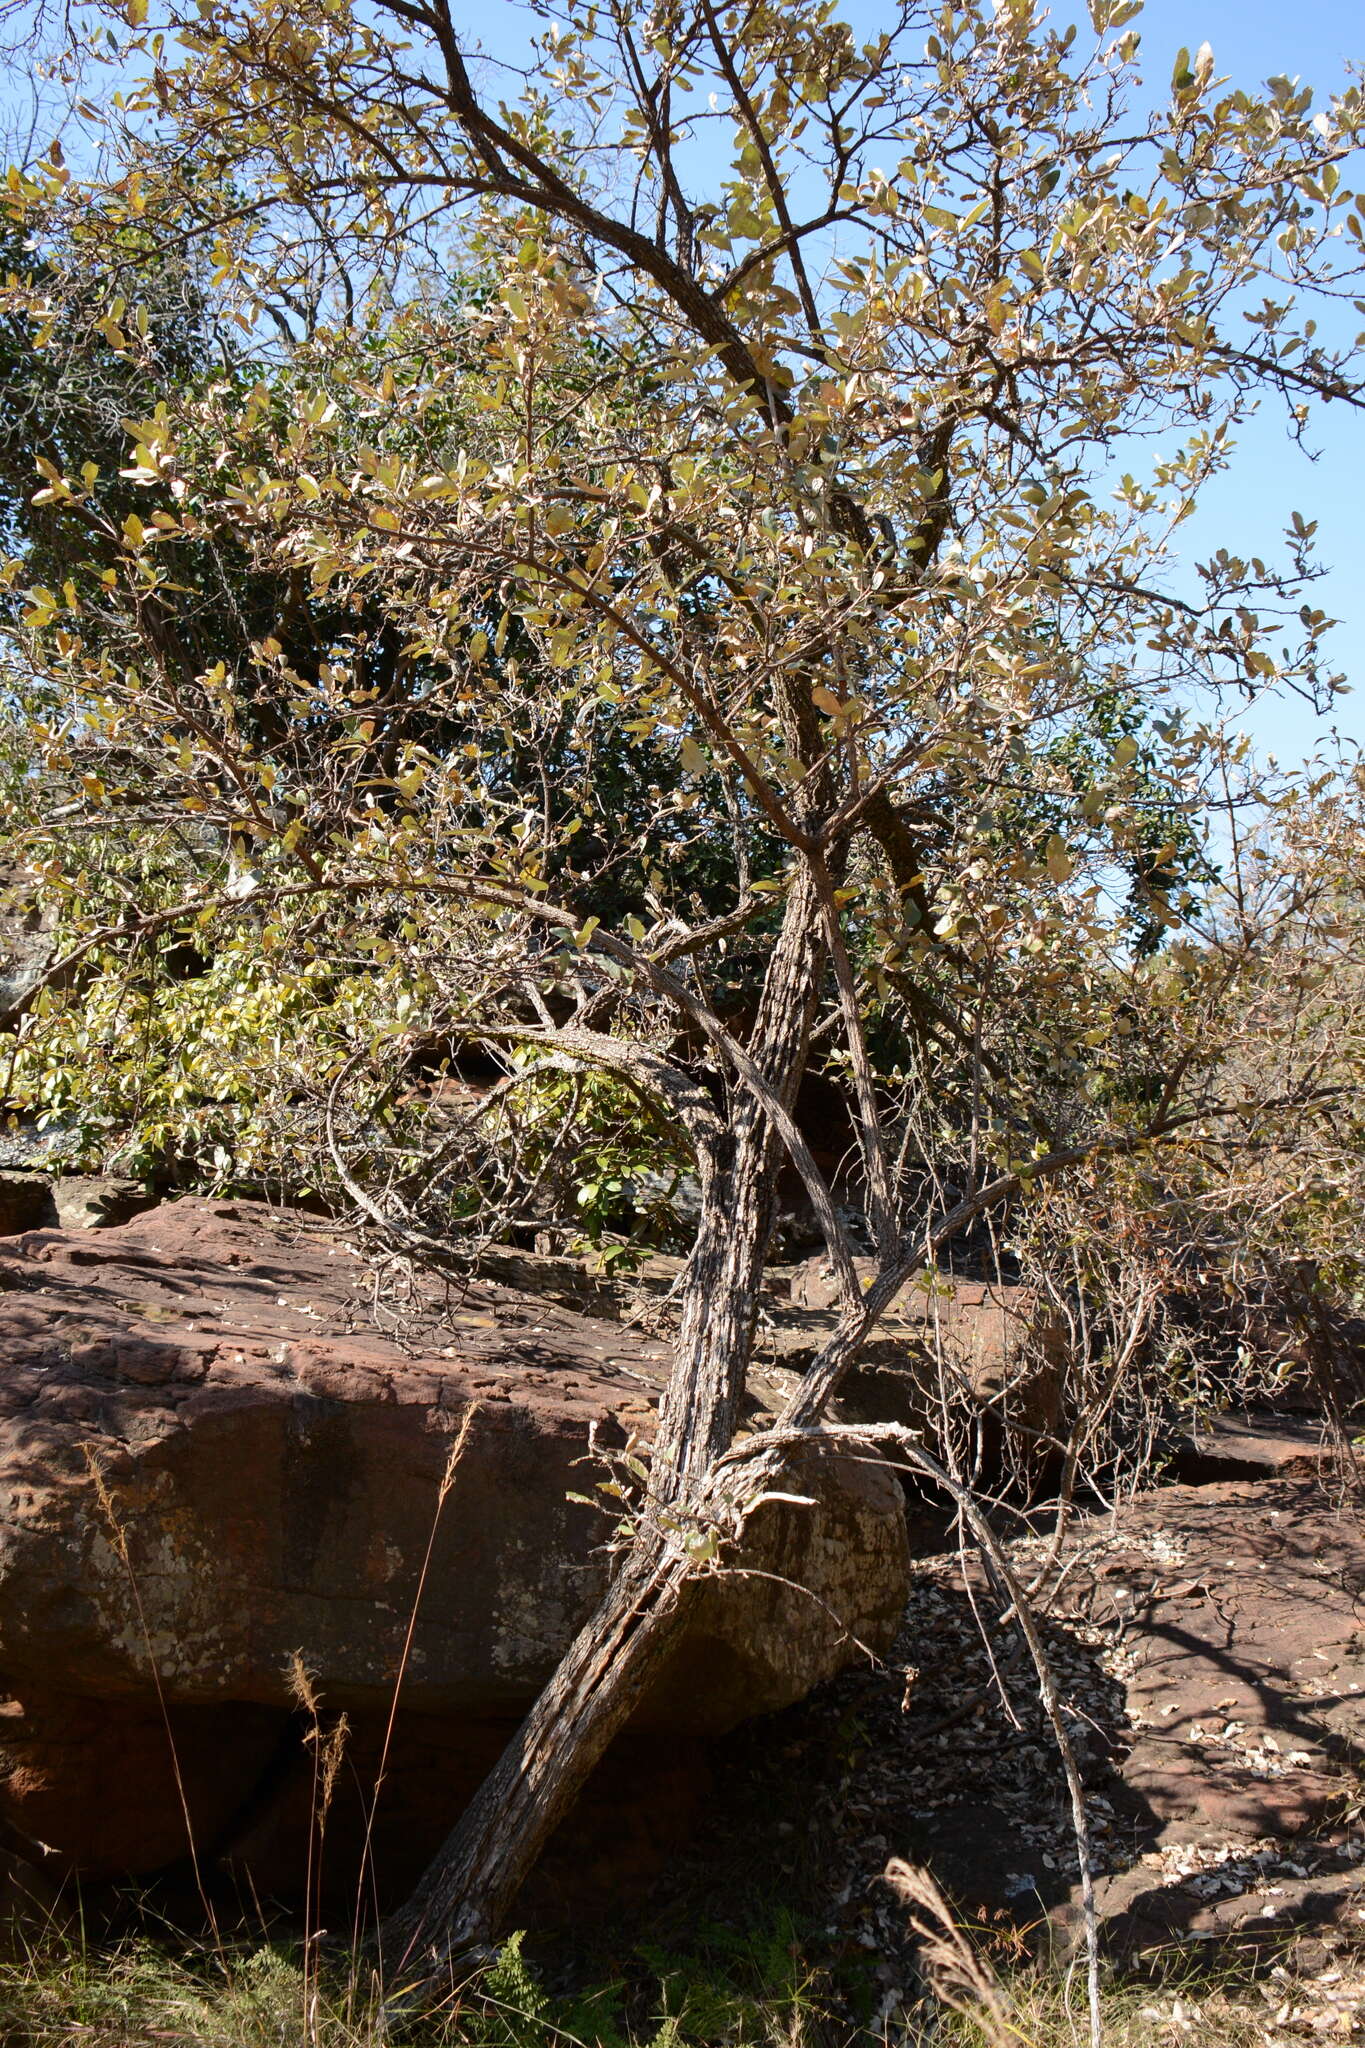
(462, 1898)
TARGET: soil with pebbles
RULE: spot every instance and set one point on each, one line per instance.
(1208, 1645)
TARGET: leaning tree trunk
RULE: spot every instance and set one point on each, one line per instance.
(464, 1895)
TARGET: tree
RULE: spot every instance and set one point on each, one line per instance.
(794, 435)
(198, 1062)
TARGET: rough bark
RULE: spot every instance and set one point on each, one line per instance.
(466, 1892)
(720, 1303)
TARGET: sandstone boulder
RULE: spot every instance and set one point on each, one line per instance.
(212, 1459)
(98, 1201)
(949, 1353)
(27, 950)
(1249, 1445)
(70, 1201)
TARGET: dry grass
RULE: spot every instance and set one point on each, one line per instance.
(1273, 2013)
(146, 1994)
(970, 2004)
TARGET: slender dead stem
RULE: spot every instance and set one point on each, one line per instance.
(442, 1495)
(918, 1459)
(119, 1538)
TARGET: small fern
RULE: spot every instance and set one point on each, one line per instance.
(516, 1996)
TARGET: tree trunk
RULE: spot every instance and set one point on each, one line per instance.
(464, 1895)
(724, 1274)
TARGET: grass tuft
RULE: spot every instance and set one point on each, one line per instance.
(728, 1989)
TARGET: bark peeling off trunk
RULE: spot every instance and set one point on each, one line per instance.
(462, 1899)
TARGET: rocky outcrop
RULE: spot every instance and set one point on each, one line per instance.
(949, 1353)
(72, 1201)
(1240, 1605)
(1254, 1445)
(27, 950)
(1207, 1647)
(212, 1460)
(25, 1202)
(98, 1201)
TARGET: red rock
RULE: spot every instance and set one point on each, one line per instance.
(271, 1467)
(987, 1349)
(1246, 1692)
(1248, 1446)
(25, 1201)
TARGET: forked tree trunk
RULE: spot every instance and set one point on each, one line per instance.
(464, 1896)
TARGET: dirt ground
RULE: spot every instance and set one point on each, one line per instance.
(1208, 1643)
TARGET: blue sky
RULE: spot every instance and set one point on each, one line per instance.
(1248, 509)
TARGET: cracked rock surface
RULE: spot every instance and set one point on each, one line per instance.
(219, 1447)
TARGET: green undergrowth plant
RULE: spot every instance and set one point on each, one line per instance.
(139, 1991)
(761, 1987)
(748, 1991)
(213, 1072)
